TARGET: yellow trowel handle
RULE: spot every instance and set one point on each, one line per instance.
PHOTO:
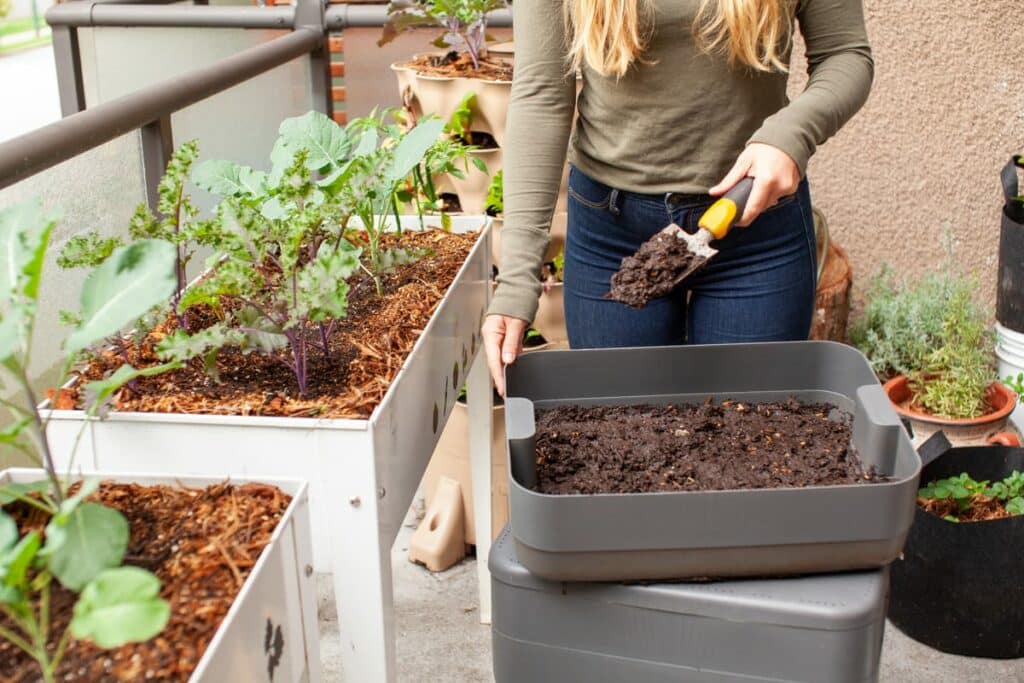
(721, 215)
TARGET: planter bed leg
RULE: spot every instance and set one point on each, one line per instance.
(479, 398)
(362, 574)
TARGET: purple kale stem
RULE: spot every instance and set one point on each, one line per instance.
(122, 351)
(325, 333)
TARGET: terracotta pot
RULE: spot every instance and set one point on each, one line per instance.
(960, 432)
(472, 189)
(442, 95)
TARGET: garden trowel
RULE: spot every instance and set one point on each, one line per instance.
(673, 254)
(715, 224)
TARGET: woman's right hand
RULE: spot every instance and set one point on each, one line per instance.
(503, 342)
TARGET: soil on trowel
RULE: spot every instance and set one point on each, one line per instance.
(460, 65)
(201, 543)
(700, 447)
(653, 272)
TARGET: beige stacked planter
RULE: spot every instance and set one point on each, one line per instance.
(448, 526)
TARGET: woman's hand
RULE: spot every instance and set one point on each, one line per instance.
(775, 175)
(503, 342)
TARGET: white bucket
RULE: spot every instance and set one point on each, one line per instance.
(1010, 340)
(1010, 365)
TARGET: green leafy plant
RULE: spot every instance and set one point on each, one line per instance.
(284, 238)
(963, 492)
(1017, 384)
(934, 332)
(5, 7)
(463, 23)
(83, 544)
(494, 204)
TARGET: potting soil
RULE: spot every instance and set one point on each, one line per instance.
(201, 543)
(460, 65)
(367, 350)
(653, 272)
(709, 446)
(980, 508)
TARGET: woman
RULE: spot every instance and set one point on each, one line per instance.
(681, 99)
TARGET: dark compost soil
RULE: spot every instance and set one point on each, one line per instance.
(646, 448)
(653, 272)
(367, 350)
(980, 509)
(460, 65)
(201, 543)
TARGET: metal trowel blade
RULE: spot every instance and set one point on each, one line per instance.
(696, 244)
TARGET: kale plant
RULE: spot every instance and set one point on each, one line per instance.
(463, 23)
(281, 236)
(83, 545)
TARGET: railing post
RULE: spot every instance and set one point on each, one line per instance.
(310, 14)
(69, 70)
(157, 148)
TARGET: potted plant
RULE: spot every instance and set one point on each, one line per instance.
(929, 342)
(109, 562)
(328, 339)
(439, 82)
(955, 585)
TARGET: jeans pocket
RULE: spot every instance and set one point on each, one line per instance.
(588, 192)
(783, 201)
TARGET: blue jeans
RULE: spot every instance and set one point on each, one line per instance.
(760, 286)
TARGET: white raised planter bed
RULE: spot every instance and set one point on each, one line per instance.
(280, 591)
(363, 474)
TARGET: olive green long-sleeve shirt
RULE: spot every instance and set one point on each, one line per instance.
(676, 125)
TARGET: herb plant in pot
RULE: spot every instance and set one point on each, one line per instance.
(327, 340)
(957, 585)
(929, 341)
(438, 82)
(91, 570)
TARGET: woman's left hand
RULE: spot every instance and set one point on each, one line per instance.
(775, 175)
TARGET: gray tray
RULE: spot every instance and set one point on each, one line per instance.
(815, 628)
(766, 532)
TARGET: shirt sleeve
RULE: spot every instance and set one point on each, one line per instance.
(840, 71)
(537, 137)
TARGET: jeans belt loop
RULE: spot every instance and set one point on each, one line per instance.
(613, 202)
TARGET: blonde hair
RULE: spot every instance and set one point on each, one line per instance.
(609, 36)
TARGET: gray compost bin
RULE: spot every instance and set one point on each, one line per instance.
(675, 535)
(816, 629)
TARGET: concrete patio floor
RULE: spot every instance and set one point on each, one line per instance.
(441, 640)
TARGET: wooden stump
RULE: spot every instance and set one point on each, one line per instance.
(832, 303)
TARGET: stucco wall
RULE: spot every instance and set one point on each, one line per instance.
(945, 113)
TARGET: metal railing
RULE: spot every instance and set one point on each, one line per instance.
(149, 109)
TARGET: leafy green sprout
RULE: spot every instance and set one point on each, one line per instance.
(1016, 383)
(963, 490)
(494, 204)
(84, 543)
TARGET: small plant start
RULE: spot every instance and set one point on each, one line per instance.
(962, 499)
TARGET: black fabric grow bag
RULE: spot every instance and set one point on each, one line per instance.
(1010, 290)
(960, 586)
